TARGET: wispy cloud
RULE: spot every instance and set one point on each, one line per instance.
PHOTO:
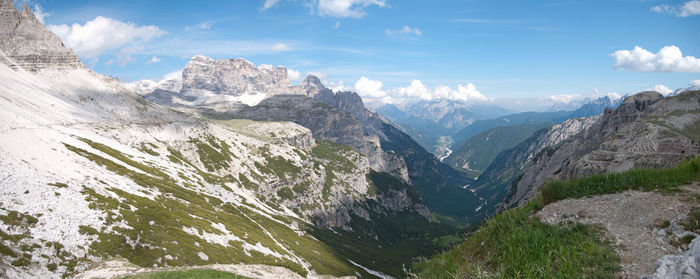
(154, 60)
(487, 21)
(333, 8)
(690, 8)
(405, 30)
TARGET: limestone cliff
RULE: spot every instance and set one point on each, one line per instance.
(27, 44)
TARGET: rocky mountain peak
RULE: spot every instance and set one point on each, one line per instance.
(640, 101)
(27, 44)
(234, 77)
(312, 85)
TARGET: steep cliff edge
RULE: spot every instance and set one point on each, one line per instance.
(28, 45)
(646, 131)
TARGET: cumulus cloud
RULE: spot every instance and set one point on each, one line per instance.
(279, 47)
(415, 90)
(668, 59)
(153, 60)
(102, 34)
(372, 91)
(293, 75)
(369, 88)
(689, 8)
(405, 30)
(661, 89)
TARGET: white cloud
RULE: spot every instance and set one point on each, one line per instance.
(565, 98)
(279, 47)
(293, 75)
(690, 8)
(201, 26)
(369, 88)
(153, 60)
(336, 25)
(346, 8)
(336, 86)
(333, 8)
(695, 83)
(415, 90)
(102, 34)
(668, 59)
(372, 92)
(661, 89)
(405, 30)
(269, 4)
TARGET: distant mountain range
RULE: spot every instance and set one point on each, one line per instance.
(428, 121)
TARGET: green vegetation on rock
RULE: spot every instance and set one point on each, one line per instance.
(644, 179)
(160, 222)
(186, 274)
(515, 245)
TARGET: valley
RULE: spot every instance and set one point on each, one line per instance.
(226, 168)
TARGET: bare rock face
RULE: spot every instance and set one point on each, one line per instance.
(28, 45)
(234, 77)
(312, 85)
(512, 163)
(646, 131)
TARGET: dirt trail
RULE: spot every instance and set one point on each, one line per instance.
(634, 222)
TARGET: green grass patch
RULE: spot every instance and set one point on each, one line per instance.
(334, 153)
(692, 223)
(644, 179)
(214, 154)
(14, 218)
(285, 193)
(144, 148)
(186, 274)
(515, 245)
(6, 250)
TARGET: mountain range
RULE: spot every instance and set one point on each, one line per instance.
(303, 178)
(226, 164)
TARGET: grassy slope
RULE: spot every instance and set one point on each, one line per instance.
(516, 245)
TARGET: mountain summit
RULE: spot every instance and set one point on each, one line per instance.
(27, 43)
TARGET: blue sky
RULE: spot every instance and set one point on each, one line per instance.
(474, 50)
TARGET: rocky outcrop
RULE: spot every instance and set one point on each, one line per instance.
(686, 266)
(325, 121)
(234, 77)
(312, 85)
(28, 45)
(646, 131)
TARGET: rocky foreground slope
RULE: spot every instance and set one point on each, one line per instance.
(641, 240)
